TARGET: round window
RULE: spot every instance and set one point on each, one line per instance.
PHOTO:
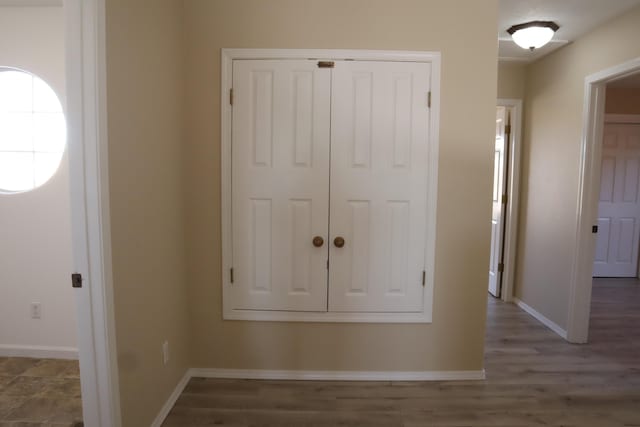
(33, 131)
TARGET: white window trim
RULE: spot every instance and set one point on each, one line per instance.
(228, 56)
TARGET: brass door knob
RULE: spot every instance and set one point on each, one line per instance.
(338, 241)
(318, 241)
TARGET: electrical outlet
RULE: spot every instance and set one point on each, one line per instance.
(165, 352)
(36, 310)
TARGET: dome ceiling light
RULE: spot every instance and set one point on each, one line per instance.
(533, 35)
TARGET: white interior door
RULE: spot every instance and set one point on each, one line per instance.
(280, 184)
(497, 213)
(379, 141)
(619, 207)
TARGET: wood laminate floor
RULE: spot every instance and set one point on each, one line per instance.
(534, 378)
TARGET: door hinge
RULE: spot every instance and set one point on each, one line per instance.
(76, 280)
(500, 268)
(230, 96)
(507, 130)
(424, 277)
(505, 198)
(429, 99)
(231, 275)
(326, 64)
(327, 264)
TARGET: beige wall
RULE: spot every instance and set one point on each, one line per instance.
(145, 125)
(550, 172)
(622, 101)
(35, 253)
(454, 341)
(511, 80)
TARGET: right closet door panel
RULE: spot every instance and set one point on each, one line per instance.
(378, 189)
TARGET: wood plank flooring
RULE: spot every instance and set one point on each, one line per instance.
(534, 378)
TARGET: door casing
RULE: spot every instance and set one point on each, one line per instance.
(580, 282)
(228, 56)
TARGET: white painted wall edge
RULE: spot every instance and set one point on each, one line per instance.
(86, 69)
(173, 398)
(541, 318)
(259, 374)
(38, 351)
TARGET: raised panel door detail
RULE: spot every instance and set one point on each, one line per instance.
(604, 236)
(383, 168)
(624, 249)
(403, 87)
(261, 233)
(262, 117)
(301, 252)
(280, 185)
(631, 176)
(398, 214)
(357, 247)
(619, 207)
(607, 178)
(362, 106)
(303, 117)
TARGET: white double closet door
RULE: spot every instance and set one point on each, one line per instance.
(332, 154)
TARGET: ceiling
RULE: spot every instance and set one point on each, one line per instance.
(575, 18)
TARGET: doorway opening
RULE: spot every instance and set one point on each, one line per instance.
(39, 373)
(608, 212)
(506, 181)
(615, 266)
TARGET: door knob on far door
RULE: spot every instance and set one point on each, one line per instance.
(338, 242)
(318, 241)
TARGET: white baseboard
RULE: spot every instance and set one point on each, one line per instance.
(259, 374)
(166, 408)
(542, 319)
(38, 351)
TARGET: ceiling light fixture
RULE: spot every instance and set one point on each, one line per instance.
(533, 35)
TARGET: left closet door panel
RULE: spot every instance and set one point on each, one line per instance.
(280, 184)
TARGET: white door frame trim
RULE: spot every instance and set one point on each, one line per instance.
(513, 198)
(588, 194)
(227, 57)
(90, 222)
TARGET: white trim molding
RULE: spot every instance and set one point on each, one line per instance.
(87, 135)
(588, 194)
(38, 351)
(513, 199)
(541, 318)
(227, 58)
(266, 374)
(173, 398)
